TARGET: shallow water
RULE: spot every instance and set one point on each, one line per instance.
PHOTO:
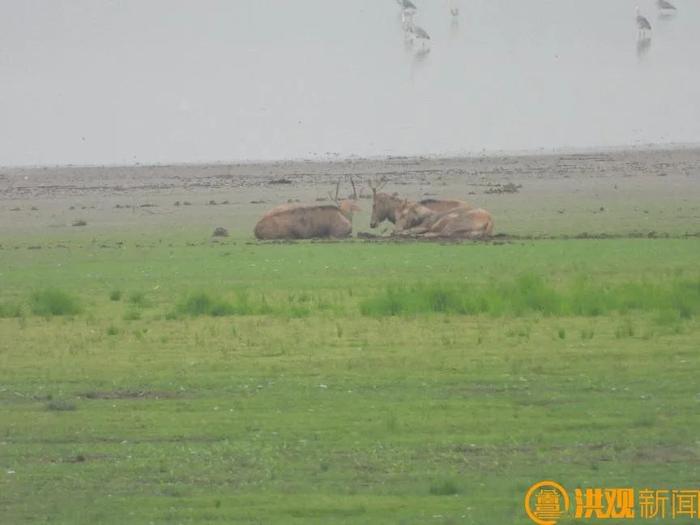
(126, 81)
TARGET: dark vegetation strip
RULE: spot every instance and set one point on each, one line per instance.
(202, 303)
(673, 299)
(532, 294)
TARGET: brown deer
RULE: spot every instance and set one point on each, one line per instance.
(385, 207)
(299, 221)
(457, 223)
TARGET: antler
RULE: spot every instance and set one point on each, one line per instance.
(376, 186)
(337, 190)
(354, 190)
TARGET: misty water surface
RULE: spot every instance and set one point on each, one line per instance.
(124, 81)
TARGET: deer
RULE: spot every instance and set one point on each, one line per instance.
(385, 206)
(299, 221)
(457, 223)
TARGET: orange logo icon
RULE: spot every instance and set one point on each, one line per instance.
(546, 502)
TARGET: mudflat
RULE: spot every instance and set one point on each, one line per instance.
(620, 193)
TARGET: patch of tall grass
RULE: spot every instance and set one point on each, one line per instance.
(10, 310)
(444, 487)
(51, 302)
(202, 303)
(531, 294)
(132, 315)
(241, 303)
(138, 299)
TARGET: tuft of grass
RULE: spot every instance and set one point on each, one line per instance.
(201, 303)
(626, 329)
(112, 330)
(587, 334)
(138, 299)
(444, 487)
(132, 315)
(115, 295)
(530, 293)
(59, 405)
(10, 310)
(54, 302)
(299, 305)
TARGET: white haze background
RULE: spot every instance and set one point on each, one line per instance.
(163, 81)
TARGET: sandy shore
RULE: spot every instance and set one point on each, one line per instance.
(621, 193)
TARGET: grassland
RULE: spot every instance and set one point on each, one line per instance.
(168, 380)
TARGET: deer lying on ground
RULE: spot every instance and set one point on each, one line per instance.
(299, 221)
(385, 207)
(458, 223)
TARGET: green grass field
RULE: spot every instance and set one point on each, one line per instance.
(169, 380)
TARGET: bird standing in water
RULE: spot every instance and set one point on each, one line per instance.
(642, 23)
(454, 8)
(408, 10)
(406, 5)
(420, 34)
(665, 5)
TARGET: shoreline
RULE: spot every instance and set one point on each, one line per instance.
(351, 158)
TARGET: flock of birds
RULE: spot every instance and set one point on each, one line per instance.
(666, 9)
(664, 6)
(415, 33)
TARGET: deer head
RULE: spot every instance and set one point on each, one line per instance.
(346, 206)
